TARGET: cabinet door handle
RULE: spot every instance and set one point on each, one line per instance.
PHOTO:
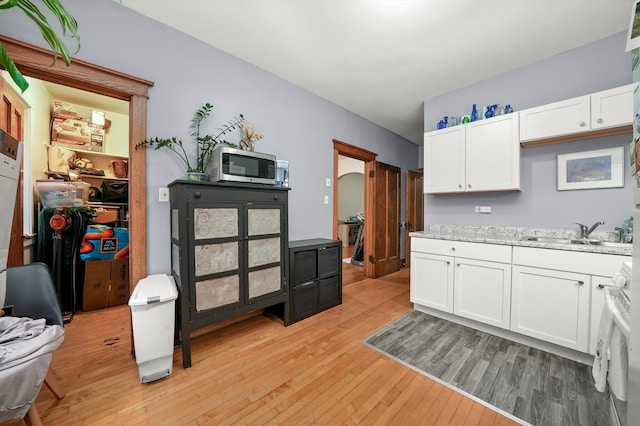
(599, 120)
(459, 186)
(448, 263)
(469, 185)
(582, 124)
(458, 265)
(580, 282)
(197, 194)
(453, 249)
(275, 197)
(601, 286)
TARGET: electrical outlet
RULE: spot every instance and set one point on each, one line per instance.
(163, 195)
(327, 183)
(326, 199)
(483, 209)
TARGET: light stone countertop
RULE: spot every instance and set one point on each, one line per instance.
(513, 236)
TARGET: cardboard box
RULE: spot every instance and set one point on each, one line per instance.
(96, 285)
(77, 134)
(106, 283)
(78, 127)
(106, 215)
(119, 292)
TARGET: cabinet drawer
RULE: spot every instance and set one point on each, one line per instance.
(572, 261)
(329, 292)
(305, 266)
(480, 251)
(305, 300)
(328, 261)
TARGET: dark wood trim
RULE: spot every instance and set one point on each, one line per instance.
(347, 150)
(579, 136)
(35, 62)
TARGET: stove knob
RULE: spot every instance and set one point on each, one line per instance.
(619, 280)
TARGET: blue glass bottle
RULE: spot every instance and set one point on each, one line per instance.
(474, 113)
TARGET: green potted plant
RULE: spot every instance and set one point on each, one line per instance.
(197, 166)
(67, 23)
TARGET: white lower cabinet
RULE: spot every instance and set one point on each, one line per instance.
(432, 281)
(552, 295)
(551, 305)
(455, 277)
(482, 291)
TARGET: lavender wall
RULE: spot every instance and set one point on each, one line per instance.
(298, 126)
(597, 66)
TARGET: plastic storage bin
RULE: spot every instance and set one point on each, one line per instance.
(153, 316)
(58, 193)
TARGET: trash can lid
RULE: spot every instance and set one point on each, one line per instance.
(154, 289)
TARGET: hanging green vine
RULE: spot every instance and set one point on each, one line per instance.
(68, 25)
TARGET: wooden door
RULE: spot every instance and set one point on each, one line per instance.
(385, 221)
(12, 121)
(415, 209)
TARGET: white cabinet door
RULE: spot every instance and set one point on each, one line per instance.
(612, 108)
(432, 281)
(556, 119)
(444, 160)
(482, 291)
(597, 306)
(493, 154)
(551, 305)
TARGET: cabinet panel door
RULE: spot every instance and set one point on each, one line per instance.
(263, 221)
(264, 281)
(556, 119)
(493, 154)
(432, 281)
(217, 293)
(444, 160)
(329, 292)
(482, 291)
(551, 305)
(612, 108)
(215, 222)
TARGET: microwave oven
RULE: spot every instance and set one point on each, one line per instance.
(236, 165)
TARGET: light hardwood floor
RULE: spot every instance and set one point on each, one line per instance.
(316, 371)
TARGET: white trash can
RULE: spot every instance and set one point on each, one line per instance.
(153, 316)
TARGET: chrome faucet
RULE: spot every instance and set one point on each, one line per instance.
(585, 232)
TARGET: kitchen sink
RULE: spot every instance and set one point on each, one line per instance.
(612, 244)
(552, 240)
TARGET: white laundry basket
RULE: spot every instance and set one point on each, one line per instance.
(153, 316)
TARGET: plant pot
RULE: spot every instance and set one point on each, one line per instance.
(197, 176)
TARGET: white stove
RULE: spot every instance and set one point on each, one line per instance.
(622, 297)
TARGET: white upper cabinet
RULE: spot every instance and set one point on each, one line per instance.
(444, 160)
(581, 116)
(612, 108)
(559, 118)
(475, 157)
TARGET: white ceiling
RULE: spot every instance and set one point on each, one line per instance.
(382, 58)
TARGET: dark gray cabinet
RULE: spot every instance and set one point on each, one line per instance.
(228, 253)
(315, 275)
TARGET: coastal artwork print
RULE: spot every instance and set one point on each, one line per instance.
(602, 168)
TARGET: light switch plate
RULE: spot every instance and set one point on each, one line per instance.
(163, 195)
(483, 209)
(327, 182)
(326, 199)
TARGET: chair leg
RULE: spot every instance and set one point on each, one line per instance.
(33, 418)
(53, 384)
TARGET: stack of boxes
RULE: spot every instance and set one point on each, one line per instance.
(78, 127)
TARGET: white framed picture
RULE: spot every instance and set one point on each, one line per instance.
(601, 168)
(633, 37)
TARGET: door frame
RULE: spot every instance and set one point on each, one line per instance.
(411, 208)
(369, 158)
(35, 62)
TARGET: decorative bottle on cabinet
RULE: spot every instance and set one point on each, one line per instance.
(474, 113)
(228, 252)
